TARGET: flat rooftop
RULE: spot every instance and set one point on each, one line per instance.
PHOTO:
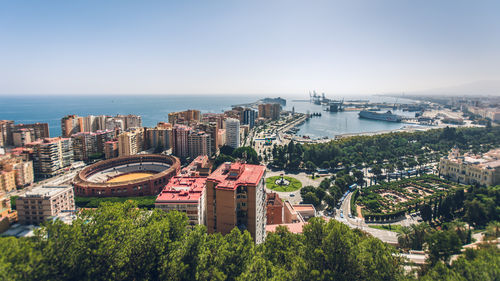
(232, 175)
(182, 190)
(46, 191)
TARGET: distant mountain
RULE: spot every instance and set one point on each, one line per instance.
(477, 88)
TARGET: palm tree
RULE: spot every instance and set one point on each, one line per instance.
(405, 238)
(492, 230)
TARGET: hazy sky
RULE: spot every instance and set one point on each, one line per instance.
(259, 47)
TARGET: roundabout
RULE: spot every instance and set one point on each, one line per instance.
(283, 183)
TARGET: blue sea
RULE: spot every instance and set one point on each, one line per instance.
(155, 108)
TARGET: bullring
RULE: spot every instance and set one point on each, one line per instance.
(135, 175)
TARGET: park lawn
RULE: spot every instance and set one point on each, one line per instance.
(391, 227)
(294, 185)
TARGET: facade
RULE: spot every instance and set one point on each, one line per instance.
(131, 142)
(470, 169)
(40, 130)
(5, 132)
(184, 194)
(270, 110)
(236, 197)
(51, 155)
(199, 143)
(212, 129)
(22, 168)
(22, 136)
(184, 117)
(233, 132)
(70, 125)
(249, 116)
(180, 141)
(111, 149)
(7, 181)
(44, 202)
(84, 145)
(159, 138)
(491, 113)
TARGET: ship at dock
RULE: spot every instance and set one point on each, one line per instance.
(388, 116)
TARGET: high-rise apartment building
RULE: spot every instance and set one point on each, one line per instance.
(22, 168)
(270, 110)
(70, 125)
(111, 149)
(40, 130)
(180, 142)
(50, 155)
(186, 191)
(115, 124)
(249, 116)
(5, 132)
(22, 136)
(184, 117)
(233, 132)
(159, 138)
(44, 202)
(7, 180)
(199, 143)
(84, 145)
(131, 142)
(236, 197)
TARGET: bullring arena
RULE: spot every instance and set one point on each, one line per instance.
(135, 175)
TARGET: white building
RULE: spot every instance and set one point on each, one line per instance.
(233, 132)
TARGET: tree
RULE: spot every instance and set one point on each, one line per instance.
(442, 245)
(426, 212)
(246, 153)
(311, 198)
(226, 149)
(359, 175)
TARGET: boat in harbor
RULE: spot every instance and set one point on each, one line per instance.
(387, 116)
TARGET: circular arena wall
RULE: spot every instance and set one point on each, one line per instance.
(88, 182)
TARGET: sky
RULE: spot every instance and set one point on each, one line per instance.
(245, 47)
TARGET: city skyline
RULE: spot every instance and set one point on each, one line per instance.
(223, 47)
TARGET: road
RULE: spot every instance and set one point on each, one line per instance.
(384, 235)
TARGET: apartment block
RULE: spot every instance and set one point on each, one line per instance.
(5, 132)
(51, 155)
(199, 143)
(159, 138)
(44, 202)
(22, 168)
(111, 149)
(184, 194)
(236, 197)
(184, 117)
(40, 130)
(180, 142)
(233, 132)
(270, 110)
(70, 125)
(131, 142)
(22, 136)
(7, 181)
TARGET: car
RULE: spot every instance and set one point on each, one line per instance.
(292, 195)
(350, 216)
(341, 215)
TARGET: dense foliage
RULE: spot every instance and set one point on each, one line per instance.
(482, 264)
(121, 242)
(144, 202)
(244, 153)
(393, 150)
